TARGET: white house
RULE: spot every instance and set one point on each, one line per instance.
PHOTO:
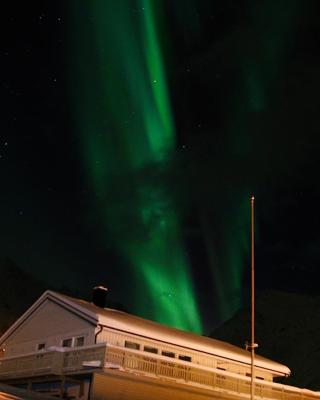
(71, 347)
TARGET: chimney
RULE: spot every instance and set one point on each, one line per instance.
(99, 296)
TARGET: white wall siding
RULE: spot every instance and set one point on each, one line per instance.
(49, 324)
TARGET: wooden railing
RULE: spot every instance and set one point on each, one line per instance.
(78, 359)
(108, 357)
(196, 375)
(29, 365)
(56, 362)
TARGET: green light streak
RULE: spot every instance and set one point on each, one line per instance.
(271, 27)
(124, 119)
(157, 78)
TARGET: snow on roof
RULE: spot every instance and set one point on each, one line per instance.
(132, 324)
(139, 326)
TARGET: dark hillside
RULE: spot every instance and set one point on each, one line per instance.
(20, 290)
(287, 330)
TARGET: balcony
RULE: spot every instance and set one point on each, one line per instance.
(56, 361)
(108, 358)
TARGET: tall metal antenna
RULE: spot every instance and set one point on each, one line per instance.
(253, 345)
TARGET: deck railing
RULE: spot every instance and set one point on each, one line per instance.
(56, 361)
(29, 365)
(108, 357)
(196, 375)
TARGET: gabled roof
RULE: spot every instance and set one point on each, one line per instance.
(128, 323)
(64, 301)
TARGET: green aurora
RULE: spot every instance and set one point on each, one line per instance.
(245, 83)
(124, 118)
(259, 56)
(125, 122)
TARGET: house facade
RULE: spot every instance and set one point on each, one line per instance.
(72, 348)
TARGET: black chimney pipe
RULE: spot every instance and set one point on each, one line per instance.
(99, 296)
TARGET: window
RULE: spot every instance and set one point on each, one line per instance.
(185, 358)
(67, 342)
(41, 346)
(132, 345)
(150, 349)
(168, 354)
(79, 341)
(257, 377)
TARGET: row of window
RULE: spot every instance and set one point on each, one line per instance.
(154, 350)
(68, 342)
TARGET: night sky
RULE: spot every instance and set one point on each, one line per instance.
(133, 135)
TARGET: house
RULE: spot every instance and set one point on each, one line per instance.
(76, 349)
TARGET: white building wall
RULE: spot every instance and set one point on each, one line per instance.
(49, 324)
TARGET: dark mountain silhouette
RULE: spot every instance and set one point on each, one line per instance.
(287, 330)
(20, 289)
